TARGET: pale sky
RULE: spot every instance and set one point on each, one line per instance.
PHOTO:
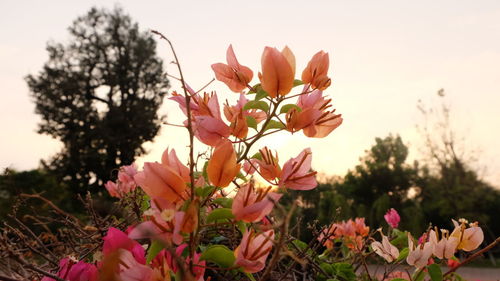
(385, 56)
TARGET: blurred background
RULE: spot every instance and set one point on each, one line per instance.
(83, 90)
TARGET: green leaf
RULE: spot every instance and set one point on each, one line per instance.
(345, 271)
(255, 88)
(242, 177)
(435, 272)
(285, 108)
(224, 202)
(205, 173)
(220, 214)
(251, 122)
(153, 250)
(403, 254)
(242, 226)
(301, 245)
(204, 191)
(261, 94)
(220, 255)
(257, 156)
(262, 105)
(401, 238)
(250, 276)
(297, 82)
(399, 279)
(273, 124)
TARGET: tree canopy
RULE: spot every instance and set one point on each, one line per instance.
(99, 95)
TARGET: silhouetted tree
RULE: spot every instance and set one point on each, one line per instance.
(99, 95)
(451, 187)
(382, 181)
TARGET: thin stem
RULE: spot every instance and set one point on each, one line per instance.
(191, 136)
(261, 132)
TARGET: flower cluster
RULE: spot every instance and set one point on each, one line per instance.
(217, 214)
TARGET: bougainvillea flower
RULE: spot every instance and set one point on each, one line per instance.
(208, 105)
(161, 181)
(113, 189)
(314, 118)
(75, 271)
(165, 261)
(392, 218)
(445, 247)
(210, 131)
(316, 71)
(222, 167)
(329, 234)
(269, 167)
(453, 262)
(239, 126)
(253, 250)
(469, 238)
(278, 71)
(125, 182)
(233, 74)
(419, 255)
(169, 158)
(115, 239)
(360, 227)
(250, 166)
(296, 173)
(164, 225)
(251, 204)
(385, 249)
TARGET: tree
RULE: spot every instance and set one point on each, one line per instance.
(382, 181)
(99, 96)
(451, 187)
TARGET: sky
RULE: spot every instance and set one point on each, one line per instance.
(385, 56)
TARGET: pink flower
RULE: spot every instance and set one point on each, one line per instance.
(115, 239)
(125, 183)
(445, 247)
(75, 271)
(253, 250)
(169, 158)
(419, 255)
(251, 205)
(392, 218)
(385, 249)
(233, 74)
(210, 131)
(297, 172)
(314, 118)
(162, 181)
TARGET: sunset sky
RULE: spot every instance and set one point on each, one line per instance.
(385, 56)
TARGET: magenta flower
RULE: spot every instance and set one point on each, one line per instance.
(392, 218)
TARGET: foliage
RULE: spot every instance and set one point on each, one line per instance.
(99, 95)
(14, 183)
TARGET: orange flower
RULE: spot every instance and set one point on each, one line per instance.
(278, 71)
(316, 71)
(253, 250)
(233, 74)
(268, 167)
(251, 205)
(315, 118)
(190, 219)
(161, 181)
(222, 167)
